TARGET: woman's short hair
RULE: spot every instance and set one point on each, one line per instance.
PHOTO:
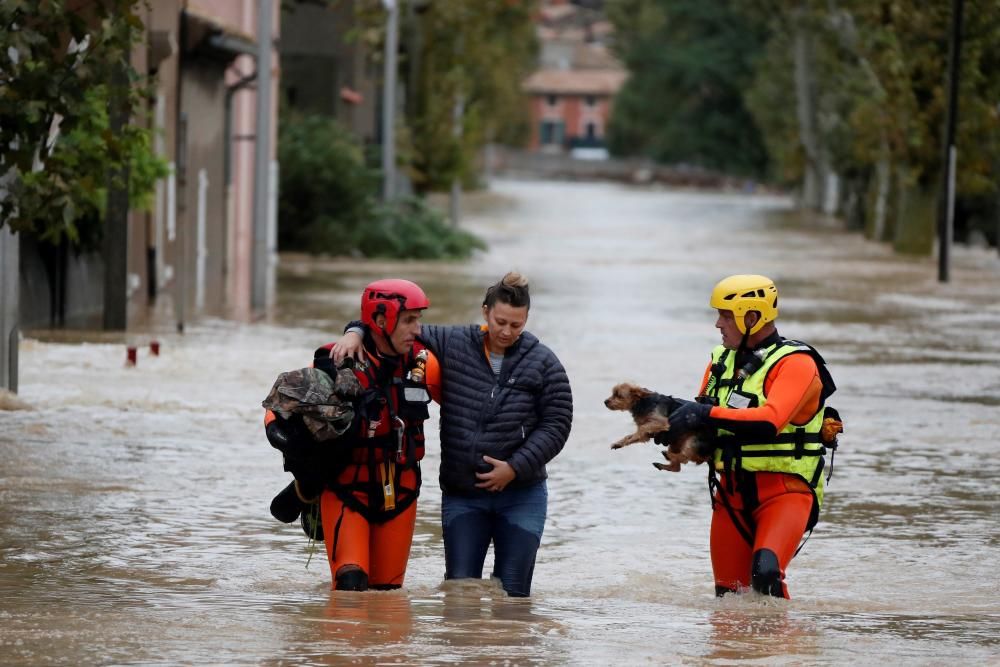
(512, 290)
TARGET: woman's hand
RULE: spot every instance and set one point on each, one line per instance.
(498, 478)
(348, 346)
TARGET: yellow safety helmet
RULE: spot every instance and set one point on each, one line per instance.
(743, 293)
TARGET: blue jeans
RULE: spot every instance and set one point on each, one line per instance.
(512, 519)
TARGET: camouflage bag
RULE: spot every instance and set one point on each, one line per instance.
(325, 403)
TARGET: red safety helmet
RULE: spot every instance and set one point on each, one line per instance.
(389, 297)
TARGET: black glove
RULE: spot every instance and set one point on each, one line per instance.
(690, 416)
(290, 437)
(286, 506)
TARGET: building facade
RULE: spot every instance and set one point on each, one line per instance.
(192, 253)
(326, 71)
(571, 108)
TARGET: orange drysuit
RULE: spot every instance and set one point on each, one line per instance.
(772, 509)
(368, 507)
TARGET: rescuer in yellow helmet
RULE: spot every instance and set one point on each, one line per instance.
(763, 404)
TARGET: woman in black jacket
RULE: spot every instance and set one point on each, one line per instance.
(506, 411)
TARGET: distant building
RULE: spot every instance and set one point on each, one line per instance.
(571, 108)
(571, 94)
(326, 71)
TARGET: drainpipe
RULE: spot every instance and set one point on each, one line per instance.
(227, 174)
(227, 162)
(176, 189)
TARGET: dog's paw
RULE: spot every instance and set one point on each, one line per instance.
(671, 467)
(628, 440)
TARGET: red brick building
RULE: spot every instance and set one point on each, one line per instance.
(571, 107)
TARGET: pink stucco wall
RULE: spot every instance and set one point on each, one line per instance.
(241, 15)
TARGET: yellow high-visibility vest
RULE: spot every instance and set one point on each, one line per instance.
(796, 449)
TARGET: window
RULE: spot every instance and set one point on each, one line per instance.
(590, 101)
(552, 100)
(551, 132)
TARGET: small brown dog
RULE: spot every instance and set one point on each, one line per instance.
(650, 411)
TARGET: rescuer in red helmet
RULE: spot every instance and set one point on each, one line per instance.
(367, 505)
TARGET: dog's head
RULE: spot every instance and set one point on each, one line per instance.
(624, 396)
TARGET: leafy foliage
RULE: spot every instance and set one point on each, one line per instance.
(410, 228)
(881, 91)
(328, 201)
(56, 83)
(683, 101)
(326, 191)
(473, 52)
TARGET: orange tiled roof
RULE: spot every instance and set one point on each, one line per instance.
(576, 82)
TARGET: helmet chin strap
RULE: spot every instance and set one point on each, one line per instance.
(743, 341)
(388, 340)
(746, 335)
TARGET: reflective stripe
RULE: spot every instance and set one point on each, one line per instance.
(416, 394)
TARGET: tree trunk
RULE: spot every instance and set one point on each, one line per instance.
(916, 221)
(817, 163)
(880, 210)
(843, 25)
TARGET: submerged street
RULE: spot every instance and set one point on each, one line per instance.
(134, 524)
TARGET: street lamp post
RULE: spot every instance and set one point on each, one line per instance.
(389, 101)
(262, 160)
(946, 212)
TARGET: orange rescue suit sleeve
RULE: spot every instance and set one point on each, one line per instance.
(793, 390)
(704, 379)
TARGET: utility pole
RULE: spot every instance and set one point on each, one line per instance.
(457, 114)
(9, 291)
(262, 159)
(389, 101)
(455, 201)
(946, 214)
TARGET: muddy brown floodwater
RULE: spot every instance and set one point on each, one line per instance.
(133, 501)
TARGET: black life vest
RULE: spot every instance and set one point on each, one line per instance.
(387, 429)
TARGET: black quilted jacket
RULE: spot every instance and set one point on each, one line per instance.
(522, 416)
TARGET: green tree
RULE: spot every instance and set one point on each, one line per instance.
(634, 20)
(326, 191)
(464, 62)
(57, 69)
(328, 201)
(689, 67)
(878, 87)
